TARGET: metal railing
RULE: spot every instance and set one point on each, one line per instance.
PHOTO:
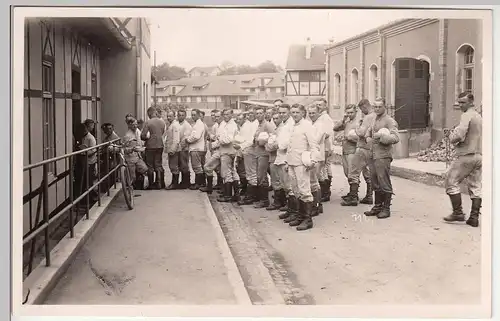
(67, 206)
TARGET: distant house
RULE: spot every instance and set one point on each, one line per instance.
(204, 71)
(218, 92)
(305, 72)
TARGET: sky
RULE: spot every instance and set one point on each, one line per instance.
(207, 37)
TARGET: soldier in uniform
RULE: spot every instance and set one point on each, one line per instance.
(325, 175)
(213, 161)
(272, 148)
(380, 163)
(247, 133)
(172, 140)
(348, 125)
(225, 138)
(185, 131)
(196, 142)
(467, 138)
(301, 156)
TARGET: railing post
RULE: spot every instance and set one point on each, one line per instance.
(87, 197)
(108, 185)
(71, 197)
(46, 210)
(114, 164)
(98, 176)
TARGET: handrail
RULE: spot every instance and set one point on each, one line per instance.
(44, 220)
(58, 158)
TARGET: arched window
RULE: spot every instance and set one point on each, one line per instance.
(336, 90)
(373, 89)
(465, 62)
(354, 86)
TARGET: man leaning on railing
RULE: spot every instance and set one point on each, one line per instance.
(87, 141)
(109, 159)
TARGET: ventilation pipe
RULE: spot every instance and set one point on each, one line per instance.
(308, 48)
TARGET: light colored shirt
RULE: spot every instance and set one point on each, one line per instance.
(327, 123)
(283, 134)
(245, 136)
(184, 132)
(227, 132)
(196, 139)
(263, 127)
(90, 141)
(129, 142)
(302, 140)
(173, 137)
(467, 136)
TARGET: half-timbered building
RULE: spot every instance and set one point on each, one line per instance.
(75, 69)
(305, 72)
(418, 65)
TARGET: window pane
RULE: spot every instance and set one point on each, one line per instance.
(419, 74)
(468, 73)
(315, 90)
(468, 85)
(304, 88)
(404, 74)
(404, 64)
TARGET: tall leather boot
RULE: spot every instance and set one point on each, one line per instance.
(209, 188)
(243, 186)
(263, 197)
(320, 206)
(386, 206)
(219, 182)
(378, 205)
(352, 199)
(151, 178)
(175, 182)
(236, 191)
(296, 218)
(161, 177)
(286, 198)
(327, 188)
(474, 212)
(316, 204)
(187, 181)
(278, 200)
(196, 184)
(457, 215)
(203, 180)
(228, 193)
(293, 205)
(307, 222)
(368, 199)
(250, 196)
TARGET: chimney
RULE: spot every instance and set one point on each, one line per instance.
(308, 48)
(331, 41)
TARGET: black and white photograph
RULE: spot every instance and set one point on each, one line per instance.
(241, 158)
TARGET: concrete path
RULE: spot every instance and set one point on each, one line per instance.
(347, 258)
(165, 251)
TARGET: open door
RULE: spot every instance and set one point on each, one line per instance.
(412, 93)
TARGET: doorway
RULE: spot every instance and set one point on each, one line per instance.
(76, 102)
(411, 93)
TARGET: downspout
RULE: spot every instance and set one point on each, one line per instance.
(138, 37)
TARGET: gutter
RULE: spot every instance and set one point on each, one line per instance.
(138, 70)
(114, 30)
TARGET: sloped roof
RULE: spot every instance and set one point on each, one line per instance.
(297, 58)
(204, 69)
(221, 85)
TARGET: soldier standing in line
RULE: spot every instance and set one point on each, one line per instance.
(320, 132)
(272, 149)
(196, 142)
(172, 140)
(239, 163)
(363, 151)
(467, 138)
(325, 174)
(301, 156)
(348, 125)
(225, 139)
(217, 119)
(213, 161)
(261, 160)
(203, 177)
(382, 134)
(185, 131)
(283, 134)
(152, 133)
(247, 133)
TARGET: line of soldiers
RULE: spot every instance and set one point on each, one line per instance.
(289, 149)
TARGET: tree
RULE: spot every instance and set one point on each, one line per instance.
(227, 68)
(167, 72)
(267, 66)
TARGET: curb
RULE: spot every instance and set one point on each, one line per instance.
(43, 278)
(233, 273)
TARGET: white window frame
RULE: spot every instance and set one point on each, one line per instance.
(374, 83)
(461, 67)
(354, 94)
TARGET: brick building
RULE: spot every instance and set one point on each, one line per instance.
(418, 65)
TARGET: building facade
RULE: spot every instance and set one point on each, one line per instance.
(305, 72)
(418, 65)
(74, 69)
(219, 92)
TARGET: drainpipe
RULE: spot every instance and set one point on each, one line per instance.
(138, 69)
